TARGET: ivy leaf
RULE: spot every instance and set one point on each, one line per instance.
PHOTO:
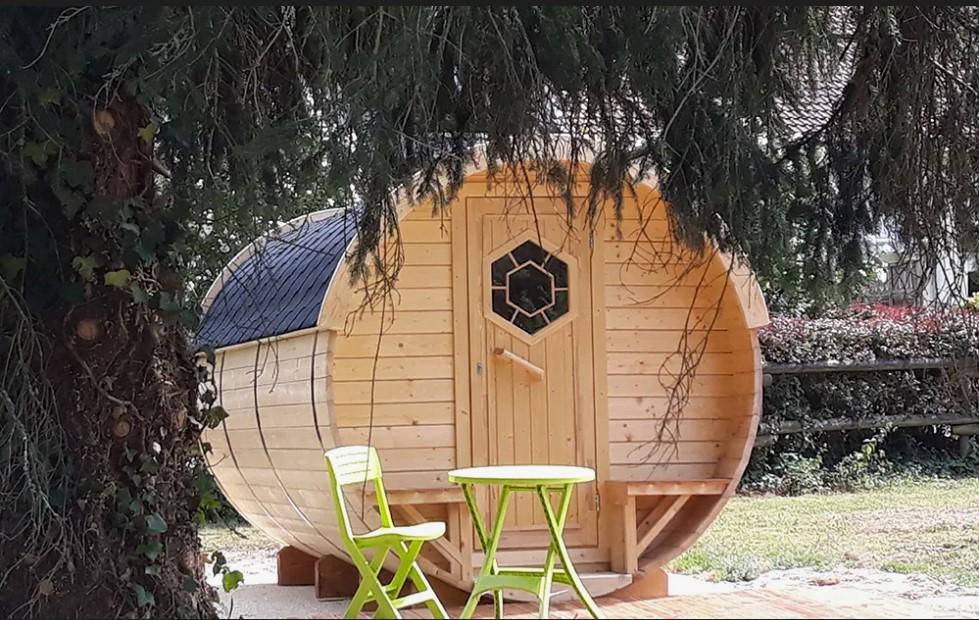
(103, 207)
(165, 303)
(219, 561)
(85, 266)
(49, 96)
(78, 173)
(150, 550)
(155, 524)
(11, 267)
(153, 570)
(149, 466)
(150, 239)
(188, 584)
(139, 295)
(133, 228)
(147, 133)
(37, 152)
(118, 279)
(143, 598)
(232, 579)
(214, 416)
(71, 201)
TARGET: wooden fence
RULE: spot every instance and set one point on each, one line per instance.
(962, 426)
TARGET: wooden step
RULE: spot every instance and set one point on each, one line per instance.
(598, 584)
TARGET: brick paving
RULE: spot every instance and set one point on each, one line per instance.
(828, 602)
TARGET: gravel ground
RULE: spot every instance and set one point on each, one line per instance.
(935, 592)
(259, 597)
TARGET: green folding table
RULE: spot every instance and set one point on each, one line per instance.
(542, 480)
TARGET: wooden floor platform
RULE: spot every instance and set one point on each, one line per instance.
(829, 602)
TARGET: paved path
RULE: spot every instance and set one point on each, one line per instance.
(829, 602)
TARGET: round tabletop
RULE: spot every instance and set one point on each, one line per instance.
(522, 474)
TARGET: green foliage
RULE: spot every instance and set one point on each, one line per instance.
(824, 462)
(793, 475)
(151, 550)
(972, 303)
(230, 579)
(260, 113)
(155, 524)
(85, 266)
(118, 279)
(144, 598)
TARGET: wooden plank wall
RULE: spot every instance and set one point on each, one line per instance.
(411, 384)
(659, 297)
(268, 453)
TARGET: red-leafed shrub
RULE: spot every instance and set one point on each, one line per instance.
(869, 333)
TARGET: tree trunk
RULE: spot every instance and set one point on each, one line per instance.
(126, 395)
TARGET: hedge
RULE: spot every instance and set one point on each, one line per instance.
(864, 334)
(870, 334)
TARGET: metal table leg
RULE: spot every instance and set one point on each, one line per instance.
(555, 523)
(489, 546)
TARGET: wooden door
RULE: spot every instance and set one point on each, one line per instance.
(531, 341)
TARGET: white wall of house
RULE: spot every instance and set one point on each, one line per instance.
(904, 280)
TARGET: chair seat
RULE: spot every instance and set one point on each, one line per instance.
(431, 530)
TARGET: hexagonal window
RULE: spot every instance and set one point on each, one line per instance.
(529, 287)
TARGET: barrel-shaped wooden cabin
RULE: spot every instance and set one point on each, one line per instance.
(511, 337)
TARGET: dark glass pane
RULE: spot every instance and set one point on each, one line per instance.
(560, 307)
(500, 268)
(529, 251)
(557, 268)
(530, 324)
(500, 306)
(530, 289)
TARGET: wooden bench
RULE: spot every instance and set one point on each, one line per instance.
(404, 497)
(404, 503)
(639, 531)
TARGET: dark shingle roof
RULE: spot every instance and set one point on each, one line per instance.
(814, 108)
(280, 288)
(815, 103)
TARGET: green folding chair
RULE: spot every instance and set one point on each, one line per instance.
(357, 465)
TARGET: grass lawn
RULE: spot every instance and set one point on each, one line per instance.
(920, 527)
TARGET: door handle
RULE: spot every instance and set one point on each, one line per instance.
(519, 361)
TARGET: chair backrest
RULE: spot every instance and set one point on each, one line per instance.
(355, 465)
